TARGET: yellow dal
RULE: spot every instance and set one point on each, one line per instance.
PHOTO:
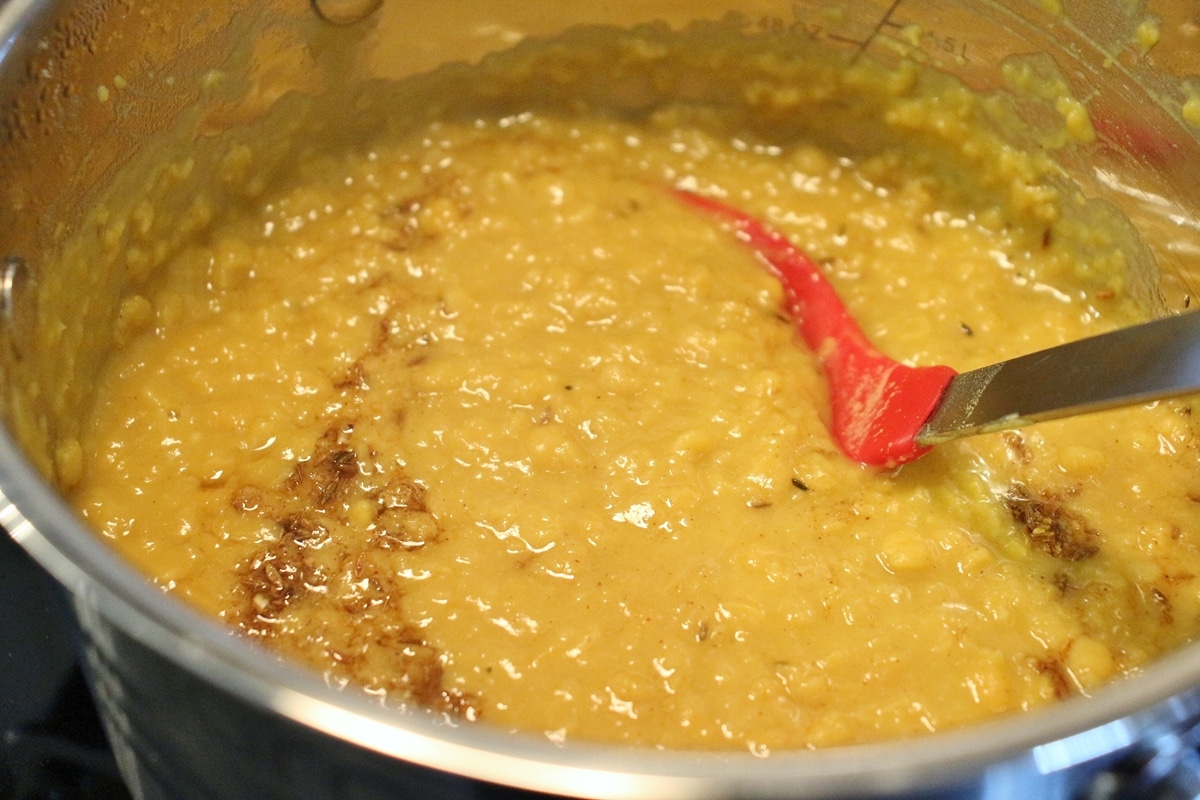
(483, 418)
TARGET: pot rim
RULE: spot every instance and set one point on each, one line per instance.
(1043, 741)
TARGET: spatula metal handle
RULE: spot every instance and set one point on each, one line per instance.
(1130, 366)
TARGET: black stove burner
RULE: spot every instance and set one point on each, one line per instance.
(52, 745)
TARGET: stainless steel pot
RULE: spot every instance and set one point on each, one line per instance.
(96, 96)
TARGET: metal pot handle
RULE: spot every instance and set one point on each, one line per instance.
(1162, 768)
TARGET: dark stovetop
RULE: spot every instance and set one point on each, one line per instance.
(51, 744)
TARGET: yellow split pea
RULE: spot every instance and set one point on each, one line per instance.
(482, 418)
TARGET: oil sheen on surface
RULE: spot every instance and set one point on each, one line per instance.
(480, 417)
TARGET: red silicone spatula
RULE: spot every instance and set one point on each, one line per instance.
(878, 404)
(886, 413)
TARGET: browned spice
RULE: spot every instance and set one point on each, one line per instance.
(1054, 669)
(291, 584)
(1051, 526)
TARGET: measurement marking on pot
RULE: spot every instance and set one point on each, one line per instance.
(931, 42)
(875, 32)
